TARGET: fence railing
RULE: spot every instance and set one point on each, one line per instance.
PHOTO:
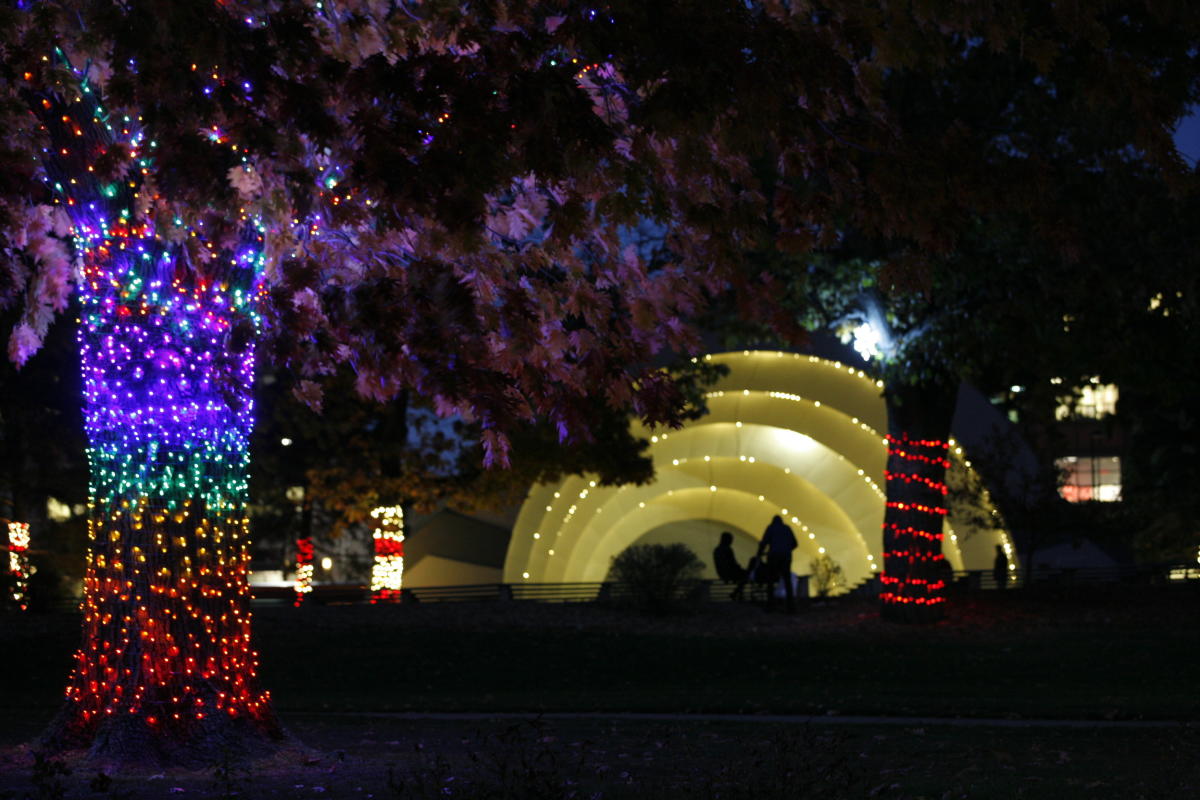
(718, 592)
(1050, 577)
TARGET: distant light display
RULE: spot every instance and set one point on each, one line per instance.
(912, 555)
(304, 568)
(18, 562)
(388, 573)
(166, 335)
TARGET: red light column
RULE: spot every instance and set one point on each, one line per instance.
(913, 564)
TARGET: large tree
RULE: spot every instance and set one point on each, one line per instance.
(1043, 201)
(437, 197)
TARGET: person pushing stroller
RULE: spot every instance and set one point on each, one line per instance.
(779, 542)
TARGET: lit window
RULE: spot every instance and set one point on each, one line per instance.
(1092, 401)
(1086, 478)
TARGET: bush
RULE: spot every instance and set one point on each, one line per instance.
(827, 575)
(658, 578)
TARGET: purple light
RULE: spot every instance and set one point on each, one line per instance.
(168, 411)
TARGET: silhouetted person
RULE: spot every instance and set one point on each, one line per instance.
(1000, 568)
(728, 569)
(946, 573)
(779, 542)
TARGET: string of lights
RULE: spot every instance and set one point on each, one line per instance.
(912, 530)
(304, 569)
(18, 563)
(167, 355)
(932, 483)
(387, 574)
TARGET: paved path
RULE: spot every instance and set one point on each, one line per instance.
(801, 719)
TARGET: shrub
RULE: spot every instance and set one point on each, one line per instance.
(826, 575)
(658, 578)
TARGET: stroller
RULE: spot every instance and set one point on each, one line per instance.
(764, 582)
(760, 579)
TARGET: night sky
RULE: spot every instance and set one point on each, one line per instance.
(1187, 138)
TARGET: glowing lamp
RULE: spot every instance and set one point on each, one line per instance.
(866, 341)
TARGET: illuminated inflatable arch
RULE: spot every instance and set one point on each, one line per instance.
(786, 434)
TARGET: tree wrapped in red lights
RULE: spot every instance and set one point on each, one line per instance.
(914, 568)
(304, 569)
(1044, 165)
(913, 565)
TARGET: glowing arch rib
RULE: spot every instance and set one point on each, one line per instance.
(855, 439)
(829, 382)
(529, 521)
(785, 431)
(790, 450)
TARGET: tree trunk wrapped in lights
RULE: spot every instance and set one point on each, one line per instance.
(18, 563)
(304, 569)
(388, 572)
(167, 324)
(914, 568)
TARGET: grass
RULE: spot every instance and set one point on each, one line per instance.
(1121, 658)
(1127, 657)
(1114, 660)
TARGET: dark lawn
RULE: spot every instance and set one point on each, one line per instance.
(1113, 657)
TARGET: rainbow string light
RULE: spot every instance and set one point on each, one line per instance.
(18, 562)
(913, 564)
(304, 569)
(166, 339)
(388, 573)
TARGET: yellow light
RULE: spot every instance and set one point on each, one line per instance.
(387, 575)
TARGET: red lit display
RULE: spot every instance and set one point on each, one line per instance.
(913, 562)
(304, 568)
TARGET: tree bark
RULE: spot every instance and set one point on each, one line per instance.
(914, 569)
